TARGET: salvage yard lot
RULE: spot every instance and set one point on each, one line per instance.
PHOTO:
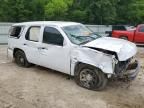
(38, 87)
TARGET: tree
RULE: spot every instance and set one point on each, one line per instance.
(21, 10)
(97, 11)
(56, 9)
(136, 12)
(85, 11)
(38, 9)
(14, 11)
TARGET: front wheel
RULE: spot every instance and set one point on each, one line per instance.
(91, 78)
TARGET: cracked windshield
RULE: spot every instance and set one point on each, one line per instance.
(79, 34)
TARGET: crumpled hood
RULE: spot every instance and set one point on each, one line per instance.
(123, 48)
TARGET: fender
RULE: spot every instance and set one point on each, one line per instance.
(98, 59)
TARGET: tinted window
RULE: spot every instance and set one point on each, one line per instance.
(33, 34)
(141, 29)
(118, 27)
(52, 36)
(15, 31)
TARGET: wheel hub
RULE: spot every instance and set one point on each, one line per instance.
(21, 60)
(89, 77)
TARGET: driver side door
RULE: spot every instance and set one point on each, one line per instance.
(139, 36)
(54, 53)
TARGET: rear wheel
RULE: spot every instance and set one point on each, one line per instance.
(21, 59)
(90, 77)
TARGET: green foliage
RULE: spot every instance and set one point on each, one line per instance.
(85, 11)
(136, 13)
(14, 10)
(78, 16)
(55, 9)
(102, 11)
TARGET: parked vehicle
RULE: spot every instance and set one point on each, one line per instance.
(73, 49)
(118, 28)
(134, 35)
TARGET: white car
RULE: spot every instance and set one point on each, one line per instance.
(73, 49)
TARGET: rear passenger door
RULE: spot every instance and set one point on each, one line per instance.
(31, 44)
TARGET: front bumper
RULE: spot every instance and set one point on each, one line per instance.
(10, 53)
(132, 71)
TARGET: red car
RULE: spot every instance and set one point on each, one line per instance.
(134, 35)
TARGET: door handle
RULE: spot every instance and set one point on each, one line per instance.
(42, 48)
(24, 44)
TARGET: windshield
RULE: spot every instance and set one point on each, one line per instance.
(79, 34)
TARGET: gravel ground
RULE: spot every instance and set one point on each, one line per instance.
(38, 87)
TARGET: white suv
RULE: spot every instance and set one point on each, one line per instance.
(73, 49)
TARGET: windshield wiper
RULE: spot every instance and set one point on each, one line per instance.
(85, 42)
(75, 36)
(88, 40)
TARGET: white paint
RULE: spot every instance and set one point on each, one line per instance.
(61, 58)
(56, 23)
(94, 58)
(123, 48)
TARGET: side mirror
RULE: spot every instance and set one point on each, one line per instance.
(109, 33)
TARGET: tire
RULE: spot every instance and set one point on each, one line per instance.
(21, 59)
(90, 78)
(124, 37)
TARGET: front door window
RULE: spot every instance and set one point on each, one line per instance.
(52, 36)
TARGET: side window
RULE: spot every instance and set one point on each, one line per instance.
(141, 29)
(52, 36)
(15, 31)
(33, 34)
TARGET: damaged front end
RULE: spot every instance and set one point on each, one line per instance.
(123, 64)
(126, 70)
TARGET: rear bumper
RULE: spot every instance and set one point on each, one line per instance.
(132, 71)
(10, 53)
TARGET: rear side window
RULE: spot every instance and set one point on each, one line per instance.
(118, 27)
(15, 31)
(33, 34)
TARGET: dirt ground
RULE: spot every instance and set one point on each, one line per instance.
(37, 87)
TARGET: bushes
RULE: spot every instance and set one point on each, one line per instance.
(85, 11)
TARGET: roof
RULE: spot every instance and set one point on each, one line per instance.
(55, 23)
